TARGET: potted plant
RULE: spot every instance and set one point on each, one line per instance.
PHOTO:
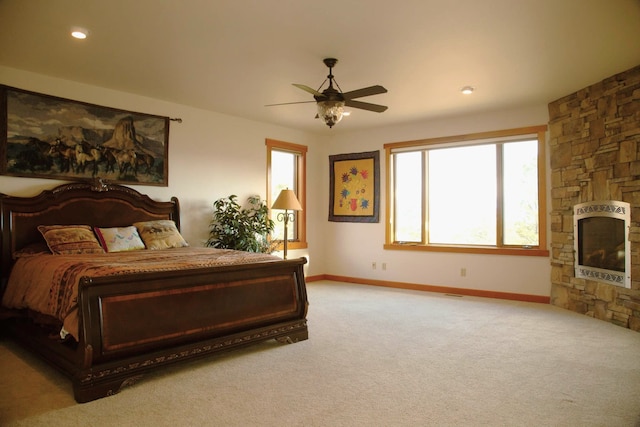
(241, 228)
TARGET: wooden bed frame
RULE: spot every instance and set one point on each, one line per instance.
(212, 309)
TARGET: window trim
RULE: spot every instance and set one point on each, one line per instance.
(301, 223)
(540, 250)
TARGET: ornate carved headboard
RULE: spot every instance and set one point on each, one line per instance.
(96, 204)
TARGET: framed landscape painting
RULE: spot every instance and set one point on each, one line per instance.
(354, 187)
(43, 136)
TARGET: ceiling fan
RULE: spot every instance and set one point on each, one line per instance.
(331, 101)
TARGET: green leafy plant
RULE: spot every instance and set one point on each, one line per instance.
(241, 228)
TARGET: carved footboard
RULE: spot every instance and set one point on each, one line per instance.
(175, 316)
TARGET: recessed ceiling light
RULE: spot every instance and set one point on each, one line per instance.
(79, 33)
(467, 90)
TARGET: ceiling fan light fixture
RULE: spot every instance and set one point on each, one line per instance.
(330, 102)
(331, 112)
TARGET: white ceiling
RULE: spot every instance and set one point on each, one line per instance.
(236, 56)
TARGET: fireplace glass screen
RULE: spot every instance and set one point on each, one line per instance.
(602, 243)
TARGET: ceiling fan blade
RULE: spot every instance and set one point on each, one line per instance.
(308, 89)
(365, 105)
(289, 103)
(366, 91)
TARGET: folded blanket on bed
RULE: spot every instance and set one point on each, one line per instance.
(48, 284)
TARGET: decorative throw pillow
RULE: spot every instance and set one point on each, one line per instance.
(160, 234)
(118, 239)
(70, 239)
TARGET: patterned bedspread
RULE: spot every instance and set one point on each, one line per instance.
(48, 284)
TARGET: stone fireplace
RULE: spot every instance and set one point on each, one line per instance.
(594, 140)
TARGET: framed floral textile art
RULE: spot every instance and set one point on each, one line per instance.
(354, 189)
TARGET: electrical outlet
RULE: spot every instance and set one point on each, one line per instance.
(373, 265)
(463, 272)
(384, 265)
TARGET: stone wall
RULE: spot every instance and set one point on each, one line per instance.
(595, 155)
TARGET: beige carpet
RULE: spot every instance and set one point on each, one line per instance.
(375, 357)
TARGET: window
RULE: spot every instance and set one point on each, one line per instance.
(481, 193)
(286, 168)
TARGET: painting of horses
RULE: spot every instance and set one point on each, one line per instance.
(43, 136)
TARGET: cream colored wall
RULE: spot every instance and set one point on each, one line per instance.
(351, 247)
(210, 156)
(214, 155)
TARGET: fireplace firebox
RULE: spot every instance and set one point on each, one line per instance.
(601, 242)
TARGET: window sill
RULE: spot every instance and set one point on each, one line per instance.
(468, 249)
(292, 245)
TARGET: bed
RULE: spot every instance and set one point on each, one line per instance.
(131, 312)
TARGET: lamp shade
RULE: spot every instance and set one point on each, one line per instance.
(287, 200)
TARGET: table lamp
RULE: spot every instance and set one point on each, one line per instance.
(286, 201)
